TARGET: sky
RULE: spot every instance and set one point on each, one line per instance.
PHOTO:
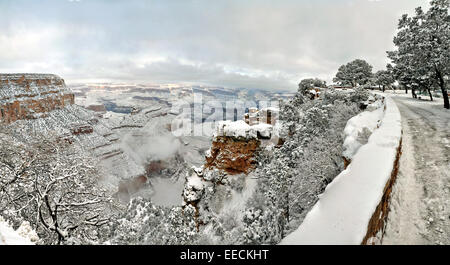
(265, 44)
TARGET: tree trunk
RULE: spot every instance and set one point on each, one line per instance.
(406, 90)
(443, 89)
(413, 91)
(429, 93)
(383, 88)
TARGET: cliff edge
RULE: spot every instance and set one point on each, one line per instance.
(29, 96)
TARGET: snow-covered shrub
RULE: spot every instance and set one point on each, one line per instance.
(263, 226)
(146, 223)
(178, 228)
(193, 188)
(237, 182)
(137, 223)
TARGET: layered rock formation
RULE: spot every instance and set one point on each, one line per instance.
(33, 105)
(28, 96)
(235, 143)
(233, 155)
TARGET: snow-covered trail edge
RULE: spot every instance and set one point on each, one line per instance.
(343, 212)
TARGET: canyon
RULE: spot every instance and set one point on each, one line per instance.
(126, 128)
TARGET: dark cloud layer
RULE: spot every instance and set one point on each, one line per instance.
(258, 44)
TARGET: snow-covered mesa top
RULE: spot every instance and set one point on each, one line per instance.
(14, 86)
(242, 129)
(342, 214)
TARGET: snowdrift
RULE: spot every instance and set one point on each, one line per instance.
(9, 236)
(364, 123)
(353, 207)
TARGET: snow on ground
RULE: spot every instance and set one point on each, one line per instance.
(22, 236)
(359, 128)
(342, 214)
(420, 204)
(264, 129)
(241, 129)
(235, 129)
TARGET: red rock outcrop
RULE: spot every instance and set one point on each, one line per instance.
(234, 155)
(97, 108)
(22, 96)
(81, 129)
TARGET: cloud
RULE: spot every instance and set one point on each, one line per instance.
(265, 44)
(150, 148)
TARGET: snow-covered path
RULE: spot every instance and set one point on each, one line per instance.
(420, 206)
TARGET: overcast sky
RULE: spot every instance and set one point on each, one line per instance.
(255, 44)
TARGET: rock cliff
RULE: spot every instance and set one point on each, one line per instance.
(29, 96)
(234, 155)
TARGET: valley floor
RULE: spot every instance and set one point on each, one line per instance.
(420, 203)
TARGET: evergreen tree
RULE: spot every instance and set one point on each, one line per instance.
(422, 58)
(307, 84)
(354, 73)
(384, 78)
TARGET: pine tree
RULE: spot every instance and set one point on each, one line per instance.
(310, 83)
(384, 78)
(354, 73)
(422, 58)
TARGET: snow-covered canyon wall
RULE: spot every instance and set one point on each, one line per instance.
(26, 96)
(37, 105)
(354, 206)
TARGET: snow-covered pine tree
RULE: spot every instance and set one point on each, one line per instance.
(354, 73)
(384, 78)
(422, 58)
(310, 83)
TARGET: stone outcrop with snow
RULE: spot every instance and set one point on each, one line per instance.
(235, 142)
